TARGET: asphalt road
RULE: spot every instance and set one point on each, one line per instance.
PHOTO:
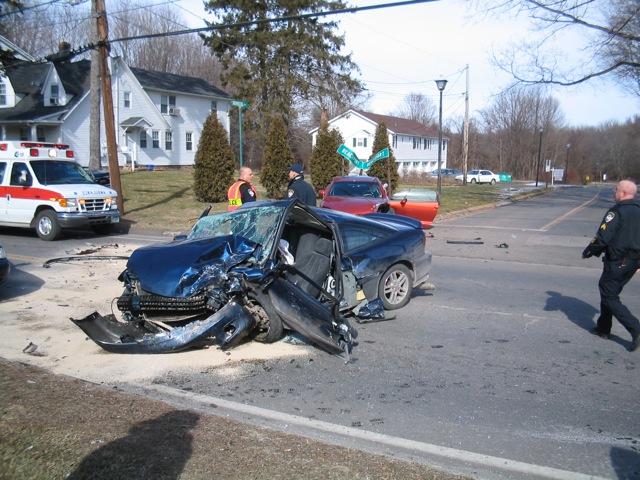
(497, 360)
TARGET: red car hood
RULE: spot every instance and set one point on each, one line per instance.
(355, 205)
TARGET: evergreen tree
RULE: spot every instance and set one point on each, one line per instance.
(275, 64)
(214, 166)
(325, 162)
(276, 160)
(387, 169)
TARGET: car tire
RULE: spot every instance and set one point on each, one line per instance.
(47, 225)
(395, 287)
(493, 181)
(102, 228)
(473, 180)
(269, 328)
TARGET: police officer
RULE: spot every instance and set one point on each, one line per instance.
(619, 238)
(242, 191)
(298, 188)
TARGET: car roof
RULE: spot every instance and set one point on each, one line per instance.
(356, 178)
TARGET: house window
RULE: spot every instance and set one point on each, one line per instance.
(40, 134)
(414, 142)
(394, 141)
(167, 101)
(143, 139)
(24, 134)
(189, 140)
(168, 140)
(354, 141)
(155, 139)
(127, 99)
(214, 106)
(362, 142)
(444, 146)
(54, 93)
(3, 94)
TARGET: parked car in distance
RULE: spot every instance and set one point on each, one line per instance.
(480, 176)
(419, 203)
(357, 194)
(101, 177)
(5, 266)
(446, 172)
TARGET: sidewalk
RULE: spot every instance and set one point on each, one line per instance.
(54, 426)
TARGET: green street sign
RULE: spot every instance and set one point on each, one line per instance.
(240, 103)
(384, 153)
(347, 153)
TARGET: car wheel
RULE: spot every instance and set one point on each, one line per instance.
(473, 180)
(493, 181)
(102, 228)
(395, 287)
(269, 327)
(47, 226)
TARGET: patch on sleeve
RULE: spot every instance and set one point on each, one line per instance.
(251, 193)
(290, 193)
(610, 216)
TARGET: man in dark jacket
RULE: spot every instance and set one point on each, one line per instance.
(298, 188)
(619, 238)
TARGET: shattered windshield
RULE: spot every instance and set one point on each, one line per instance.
(258, 224)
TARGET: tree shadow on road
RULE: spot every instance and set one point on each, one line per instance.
(157, 448)
(626, 463)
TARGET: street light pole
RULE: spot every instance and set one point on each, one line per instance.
(566, 165)
(539, 153)
(440, 84)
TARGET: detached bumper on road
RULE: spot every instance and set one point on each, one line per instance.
(226, 328)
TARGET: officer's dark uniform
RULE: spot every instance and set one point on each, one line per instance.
(619, 238)
(301, 190)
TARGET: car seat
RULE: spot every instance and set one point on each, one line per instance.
(313, 259)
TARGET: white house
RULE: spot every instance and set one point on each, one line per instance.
(158, 116)
(415, 146)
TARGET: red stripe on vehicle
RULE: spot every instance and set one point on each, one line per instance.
(31, 193)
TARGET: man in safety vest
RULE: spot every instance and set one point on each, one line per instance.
(241, 191)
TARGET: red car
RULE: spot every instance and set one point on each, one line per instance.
(361, 195)
(358, 195)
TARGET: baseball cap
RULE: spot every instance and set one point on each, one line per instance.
(296, 167)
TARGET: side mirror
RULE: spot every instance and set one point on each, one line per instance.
(403, 202)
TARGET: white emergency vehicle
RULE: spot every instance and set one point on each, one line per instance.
(43, 187)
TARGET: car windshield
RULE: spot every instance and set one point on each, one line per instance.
(258, 224)
(474, 172)
(59, 172)
(355, 189)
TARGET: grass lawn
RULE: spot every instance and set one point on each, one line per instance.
(164, 199)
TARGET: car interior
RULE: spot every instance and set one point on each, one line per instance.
(353, 189)
(313, 249)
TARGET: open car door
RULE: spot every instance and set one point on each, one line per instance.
(421, 204)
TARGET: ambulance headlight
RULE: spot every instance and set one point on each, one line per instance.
(68, 202)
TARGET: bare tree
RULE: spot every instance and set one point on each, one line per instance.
(610, 30)
(513, 123)
(418, 107)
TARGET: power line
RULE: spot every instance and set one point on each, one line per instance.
(24, 9)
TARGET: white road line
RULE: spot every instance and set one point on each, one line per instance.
(502, 464)
(489, 227)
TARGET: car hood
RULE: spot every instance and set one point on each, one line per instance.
(359, 205)
(180, 269)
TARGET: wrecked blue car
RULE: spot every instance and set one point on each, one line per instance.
(260, 269)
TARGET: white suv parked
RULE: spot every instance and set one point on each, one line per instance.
(42, 187)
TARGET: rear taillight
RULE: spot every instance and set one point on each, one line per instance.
(3, 147)
(69, 153)
(34, 152)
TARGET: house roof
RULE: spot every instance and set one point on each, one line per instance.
(401, 126)
(27, 80)
(176, 83)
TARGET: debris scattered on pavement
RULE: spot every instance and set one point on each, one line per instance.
(31, 348)
(502, 245)
(466, 242)
(73, 258)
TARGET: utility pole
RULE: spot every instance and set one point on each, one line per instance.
(94, 113)
(107, 102)
(539, 155)
(465, 132)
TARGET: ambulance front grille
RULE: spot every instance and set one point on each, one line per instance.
(94, 204)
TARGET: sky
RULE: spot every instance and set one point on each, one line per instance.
(405, 49)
